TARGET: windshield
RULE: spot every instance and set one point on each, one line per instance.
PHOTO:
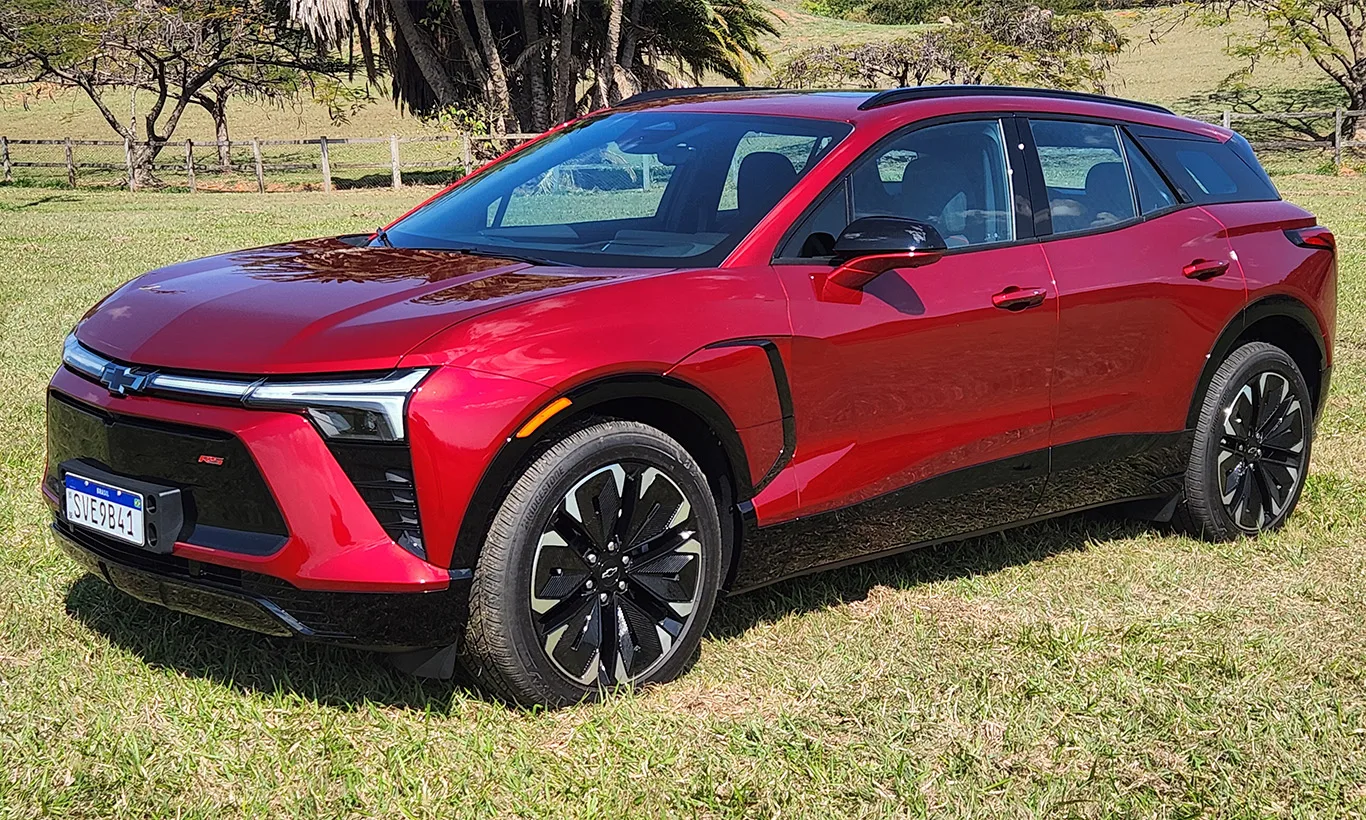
(643, 189)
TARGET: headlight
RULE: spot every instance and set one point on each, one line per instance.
(366, 409)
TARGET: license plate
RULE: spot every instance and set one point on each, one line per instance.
(107, 510)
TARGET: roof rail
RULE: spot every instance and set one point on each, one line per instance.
(932, 92)
(705, 90)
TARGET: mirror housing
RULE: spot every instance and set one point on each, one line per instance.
(873, 245)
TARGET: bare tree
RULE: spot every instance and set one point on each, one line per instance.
(177, 51)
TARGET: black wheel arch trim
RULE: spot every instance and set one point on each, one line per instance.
(1277, 305)
(502, 471)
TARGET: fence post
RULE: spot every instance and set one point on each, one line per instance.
(128, 160)
(260, 172)
(189, 163)
(645, 171)
(1228, 120)
(70, 164)
(326, 164)
(1337, 138)
(469, 156)
(394, 169)
(4, 158)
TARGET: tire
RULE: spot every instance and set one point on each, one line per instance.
(566, 553)
(1251, 450)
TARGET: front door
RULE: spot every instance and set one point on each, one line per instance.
(921, 400)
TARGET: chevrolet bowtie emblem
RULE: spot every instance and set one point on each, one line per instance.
(120, 380)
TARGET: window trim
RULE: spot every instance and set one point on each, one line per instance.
(1042, 196)
(1019, 184)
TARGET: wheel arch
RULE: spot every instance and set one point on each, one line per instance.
(681, 410)
(1283, 321)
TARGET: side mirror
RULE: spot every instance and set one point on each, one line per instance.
(873, 245)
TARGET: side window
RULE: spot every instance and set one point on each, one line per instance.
(1084, 171)
(1210, 172)
(1153, 192)
(953, 176)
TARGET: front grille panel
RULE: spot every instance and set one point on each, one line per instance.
(227, 505)
(383, 475)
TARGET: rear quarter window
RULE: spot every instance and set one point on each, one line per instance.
(1210, 172)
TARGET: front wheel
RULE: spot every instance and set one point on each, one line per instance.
(600, 570)
(1251, 449)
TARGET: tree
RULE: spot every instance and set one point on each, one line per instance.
(529, 64)
(1330, 33)
(180, 52)
(1009, 43)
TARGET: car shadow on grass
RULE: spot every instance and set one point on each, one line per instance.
(347, 678)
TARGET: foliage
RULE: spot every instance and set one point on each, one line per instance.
(179, 52)
(1011, 43)
(1330, 34)
(531, 64)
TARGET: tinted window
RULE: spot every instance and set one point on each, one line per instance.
(647, 188)
(1084, 171)
(1209, 171)
(1153, 192)
(953, 176)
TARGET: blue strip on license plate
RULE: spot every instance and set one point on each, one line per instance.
(111, 494)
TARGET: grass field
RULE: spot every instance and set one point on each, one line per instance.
(1083, 668)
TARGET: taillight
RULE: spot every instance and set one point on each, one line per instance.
(1317, 238)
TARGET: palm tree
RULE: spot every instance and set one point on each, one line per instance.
(528, 64)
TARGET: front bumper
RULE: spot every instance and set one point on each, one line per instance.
(261, 603)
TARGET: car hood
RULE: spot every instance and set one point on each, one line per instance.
(321, 305)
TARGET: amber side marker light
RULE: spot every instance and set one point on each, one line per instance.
(542, 417)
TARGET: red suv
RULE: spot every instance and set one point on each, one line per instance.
(700, 342)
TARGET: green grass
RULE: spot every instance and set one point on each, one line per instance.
(1086, 667)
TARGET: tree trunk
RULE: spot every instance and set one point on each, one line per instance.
(144, 155)
(220, 130)
(498, 80)
(566, 77)
(534, 70)
(607, 68)
(424, 55)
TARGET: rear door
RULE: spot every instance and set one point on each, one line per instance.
(1146, 281)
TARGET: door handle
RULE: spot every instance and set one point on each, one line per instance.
(1015, 298)
(1202, 269)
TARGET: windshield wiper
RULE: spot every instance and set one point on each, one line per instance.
(515, 257)
(383, 236)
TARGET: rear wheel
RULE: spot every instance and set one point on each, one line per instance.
(1251, 449)
(600, 570)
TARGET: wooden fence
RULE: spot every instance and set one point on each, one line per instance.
(1337, 142)
(190, 162)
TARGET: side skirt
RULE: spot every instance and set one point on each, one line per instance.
(1142, 470)
(1161, 502)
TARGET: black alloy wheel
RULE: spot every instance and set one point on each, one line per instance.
(600, 570)
(1252, 445)
(615, 577)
